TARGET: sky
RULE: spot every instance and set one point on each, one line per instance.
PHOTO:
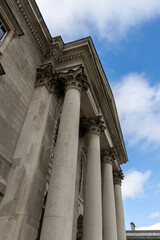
(126, 34)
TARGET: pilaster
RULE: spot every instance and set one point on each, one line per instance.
(21, 204)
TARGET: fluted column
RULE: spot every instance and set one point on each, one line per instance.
(108, 201)
(58, 218)
(121, 233)
(92, 225)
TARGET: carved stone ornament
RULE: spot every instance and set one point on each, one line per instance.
(45, 77)
(113, 153)
(118, 177)
(94, 125)
(108, 155)
(74, 79)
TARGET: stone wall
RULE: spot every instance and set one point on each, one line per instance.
(19, 59)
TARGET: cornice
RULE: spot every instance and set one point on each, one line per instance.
(27, 12)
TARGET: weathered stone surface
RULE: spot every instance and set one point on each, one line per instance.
(27, 177)
(4, 166)
(19, 60)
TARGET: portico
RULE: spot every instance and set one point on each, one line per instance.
(101, 215)
(61, 145)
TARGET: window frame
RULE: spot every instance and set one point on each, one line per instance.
(11, 25)
(4, 26)
(9, 32)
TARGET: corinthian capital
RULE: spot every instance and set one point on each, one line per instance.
(118, 177)
(108, 155)
(74, 79)
(45, 77)
(94, 125)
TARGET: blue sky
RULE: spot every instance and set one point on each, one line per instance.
(126, 35)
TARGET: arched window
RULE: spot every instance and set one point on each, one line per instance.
(81, 176)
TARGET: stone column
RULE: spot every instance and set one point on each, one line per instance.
(58, 219)
(108, 201)
(92, 225)
(21, 205)
(121, 233)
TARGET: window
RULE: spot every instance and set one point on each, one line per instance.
(9, 27)
(3, 31)
(81, 177)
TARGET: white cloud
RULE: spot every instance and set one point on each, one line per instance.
(158, 184)
(152, 227)
(154, 215)
(108, 18)
(138, 106)
(133, 184)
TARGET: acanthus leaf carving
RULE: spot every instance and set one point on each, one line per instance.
(108, 155)
(74, 79)
(118, 177)
(45, 77)
(94, 124)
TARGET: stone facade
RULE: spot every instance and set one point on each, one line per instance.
(61, 144)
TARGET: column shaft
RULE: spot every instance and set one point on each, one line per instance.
(92, 227)
(109, 214)
(93, 203)
(121, 233)
(58, 218)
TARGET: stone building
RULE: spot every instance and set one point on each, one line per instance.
(61, 144)
(143, 235)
